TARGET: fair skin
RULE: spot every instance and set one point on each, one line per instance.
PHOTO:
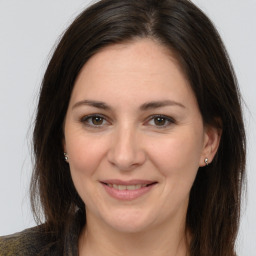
(135, 139)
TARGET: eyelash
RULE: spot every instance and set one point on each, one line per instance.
(167, 119)
(87, 120)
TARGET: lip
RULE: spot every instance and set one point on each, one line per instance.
(128, 182)
(127, 195)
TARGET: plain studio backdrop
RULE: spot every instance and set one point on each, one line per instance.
(29, 30)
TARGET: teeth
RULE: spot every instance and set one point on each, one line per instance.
(132, 187)
(129, 187)
(121, 187)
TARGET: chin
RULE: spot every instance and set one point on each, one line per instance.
(130, 221)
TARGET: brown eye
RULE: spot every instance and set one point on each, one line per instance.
(94, 121)
(97, 120)
(160, 121)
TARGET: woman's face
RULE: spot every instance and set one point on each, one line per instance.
(134, 137)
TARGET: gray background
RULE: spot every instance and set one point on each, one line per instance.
(28, 31)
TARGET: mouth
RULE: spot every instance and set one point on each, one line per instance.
(127, 190)
(128, 187)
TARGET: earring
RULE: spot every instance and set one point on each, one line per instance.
(206, 161)
(66, 156)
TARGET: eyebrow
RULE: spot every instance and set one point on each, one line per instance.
(159, 104)
(92, 103)
(143, 107)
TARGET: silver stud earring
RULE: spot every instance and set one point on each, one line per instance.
(206, 161)
(66, 156)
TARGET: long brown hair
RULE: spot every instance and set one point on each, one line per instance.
(214, 206)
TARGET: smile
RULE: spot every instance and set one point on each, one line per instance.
(124, 187)
(130, 190)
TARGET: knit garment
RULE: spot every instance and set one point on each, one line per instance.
(37, 242)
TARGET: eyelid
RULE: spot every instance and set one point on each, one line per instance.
(169, 119)
(85, 118)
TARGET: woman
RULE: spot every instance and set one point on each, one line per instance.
(139, 139)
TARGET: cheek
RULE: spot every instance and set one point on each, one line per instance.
(178, 156)
(85, 154)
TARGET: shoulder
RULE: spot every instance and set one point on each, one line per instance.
(32, 241)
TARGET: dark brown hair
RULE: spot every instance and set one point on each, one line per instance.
(214, 206)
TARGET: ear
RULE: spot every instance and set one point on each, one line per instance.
(63, 135)
(64, 144)
(212, 137)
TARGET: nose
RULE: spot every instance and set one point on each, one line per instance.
(126, 151)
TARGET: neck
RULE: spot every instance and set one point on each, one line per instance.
(97, 239)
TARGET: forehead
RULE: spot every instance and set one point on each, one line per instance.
(143, 53)
(138, 68)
